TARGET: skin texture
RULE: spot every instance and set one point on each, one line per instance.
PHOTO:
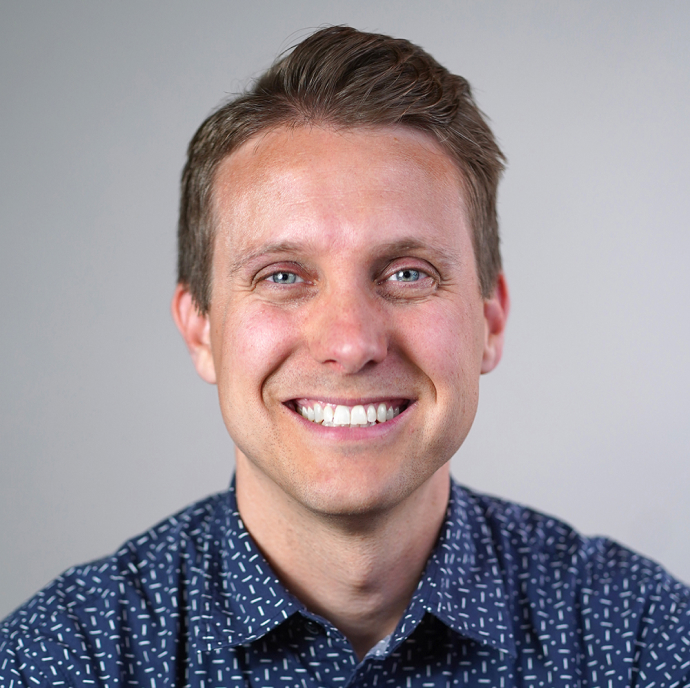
(344, 272)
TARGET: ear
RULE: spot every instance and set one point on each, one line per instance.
(495, 315)
(195, 330)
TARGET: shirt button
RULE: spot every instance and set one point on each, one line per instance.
(312, 627)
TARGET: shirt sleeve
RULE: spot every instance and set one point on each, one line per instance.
(663, 642)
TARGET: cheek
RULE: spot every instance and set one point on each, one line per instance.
(448, 348)
(446, 343)
(255, 342)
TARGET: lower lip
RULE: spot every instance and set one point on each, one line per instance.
(346, 432)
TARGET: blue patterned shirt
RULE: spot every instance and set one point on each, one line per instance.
(508, 598)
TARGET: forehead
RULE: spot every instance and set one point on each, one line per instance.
(326, 183)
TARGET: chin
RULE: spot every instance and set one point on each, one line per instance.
(356, 493)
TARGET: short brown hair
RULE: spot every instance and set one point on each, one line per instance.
(344, 77)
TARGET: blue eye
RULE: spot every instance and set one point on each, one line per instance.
(284, 278)
(407, 275)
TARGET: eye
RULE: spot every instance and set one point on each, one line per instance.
(284, 277)
(408, 279)
(407, 275)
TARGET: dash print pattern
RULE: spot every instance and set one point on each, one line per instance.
(509, 598)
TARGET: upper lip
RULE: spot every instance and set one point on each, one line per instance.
(352, 401)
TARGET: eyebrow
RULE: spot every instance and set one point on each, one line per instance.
(279, 247)
(413, 244)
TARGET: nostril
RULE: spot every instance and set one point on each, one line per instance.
(350, 351)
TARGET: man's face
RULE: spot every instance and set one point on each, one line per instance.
(344, 276)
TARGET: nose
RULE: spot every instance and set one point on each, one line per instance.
(347, 330)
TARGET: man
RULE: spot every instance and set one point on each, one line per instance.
(340, 282)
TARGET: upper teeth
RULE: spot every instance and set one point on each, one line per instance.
(353, 416)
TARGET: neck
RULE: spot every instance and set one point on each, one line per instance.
(359, 572)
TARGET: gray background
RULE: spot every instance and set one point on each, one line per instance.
(104, 426)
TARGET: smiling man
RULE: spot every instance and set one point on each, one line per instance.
(346, 332)
(340, 282)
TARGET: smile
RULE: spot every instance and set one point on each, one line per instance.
(341, 415)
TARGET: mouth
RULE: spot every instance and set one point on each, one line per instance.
(335, 415)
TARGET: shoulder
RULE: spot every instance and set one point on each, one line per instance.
(565, 588)
(65, 628)
(527, 539)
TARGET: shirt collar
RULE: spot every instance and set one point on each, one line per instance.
(239, 599)
(464, 576)
(236, 598)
